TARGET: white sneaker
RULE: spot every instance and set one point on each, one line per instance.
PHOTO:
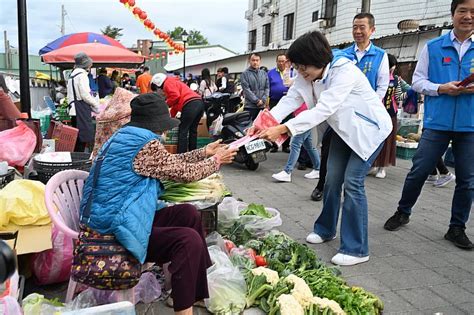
(347, 260)
(282, 177)
(314, 174)
(381, 173)
(443, 180)
(373, 171)
(432, 179)
(314, 238)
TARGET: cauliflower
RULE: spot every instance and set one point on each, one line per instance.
(301, 292)
(271, 275)
(289, 305)
(332, 305)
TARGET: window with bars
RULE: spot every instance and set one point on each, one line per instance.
(266, 34)
(288, 24)
(315, 16)
(330, 12)
(252, 40)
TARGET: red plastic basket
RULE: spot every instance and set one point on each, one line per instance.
(64, 135)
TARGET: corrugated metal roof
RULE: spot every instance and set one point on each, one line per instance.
(196, 55)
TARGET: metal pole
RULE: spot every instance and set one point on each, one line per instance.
(184, 62)
(23, 54)
(365, 6)
(63, 26)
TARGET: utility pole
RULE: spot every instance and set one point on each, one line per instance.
(365, 6)
(23, 54)
(63, 15)
(7, 50)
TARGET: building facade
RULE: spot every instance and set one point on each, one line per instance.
(275, 24)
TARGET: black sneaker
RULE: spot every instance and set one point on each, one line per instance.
(301, 167)
(397, 221)
(458, 237)
(286, 149)
(317, 195)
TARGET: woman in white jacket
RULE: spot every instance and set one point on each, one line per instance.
(81, 101)
(338, 93)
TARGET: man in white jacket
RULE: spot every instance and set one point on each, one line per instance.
(81, 101)
(336, 91)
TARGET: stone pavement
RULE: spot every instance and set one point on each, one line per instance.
(413, 270)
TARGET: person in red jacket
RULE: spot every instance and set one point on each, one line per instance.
(184, 104)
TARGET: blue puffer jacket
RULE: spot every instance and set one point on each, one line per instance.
(124, 203)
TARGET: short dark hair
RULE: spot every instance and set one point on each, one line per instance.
(392, 61)
(145, 68)
(366, 15)
(311, 49)
(280, 54)
(225, 70)
(256, 55)
(454, 5)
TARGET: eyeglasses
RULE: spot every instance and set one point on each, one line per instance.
(299, 67)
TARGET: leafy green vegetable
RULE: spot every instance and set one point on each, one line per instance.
(258, 210)
(257, 287)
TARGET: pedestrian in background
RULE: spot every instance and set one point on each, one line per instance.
(206, 86)
(143, 81)
(448, 117)
(255, 86)
(81, 101)
(184, 104)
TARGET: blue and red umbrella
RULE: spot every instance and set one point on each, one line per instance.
(79, 38)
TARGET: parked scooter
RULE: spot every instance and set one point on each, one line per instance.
(233, 128)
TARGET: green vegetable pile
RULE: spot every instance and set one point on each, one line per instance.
(211, 188)
(258, 210)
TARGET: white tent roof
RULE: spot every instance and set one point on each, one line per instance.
(196, 55)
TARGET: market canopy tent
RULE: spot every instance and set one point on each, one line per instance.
(101, 55)
(79, 38)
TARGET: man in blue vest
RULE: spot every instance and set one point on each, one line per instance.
(373, 61)
(449, 116)
(279, 79)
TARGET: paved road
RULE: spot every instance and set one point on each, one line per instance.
(414, 270)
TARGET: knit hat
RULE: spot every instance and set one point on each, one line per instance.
(150, 111)
(83, 61)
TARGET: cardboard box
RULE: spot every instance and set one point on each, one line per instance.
(202, 129)
(31, 239)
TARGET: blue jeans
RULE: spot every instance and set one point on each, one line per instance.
(433, 144)
(346, 167)
(306, 141)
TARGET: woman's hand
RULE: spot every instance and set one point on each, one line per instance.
(212, 147)
(225, 155)
(251, 131)
(273, 133)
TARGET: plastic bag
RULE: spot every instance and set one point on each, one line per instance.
(227, 285)
(54, 265)
(229, 211)
(37, 304)
(9, 306)
(17, 144)
(216, 126)
(215, 239)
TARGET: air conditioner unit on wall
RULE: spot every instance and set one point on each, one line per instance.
(248, 15)
(266, 3)
(273, 10)
(261, 11)
(322, 23)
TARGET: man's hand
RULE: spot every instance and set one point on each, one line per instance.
(273, 133)
(451, 88)
(225, 155)
(260, 103)
(212, 147)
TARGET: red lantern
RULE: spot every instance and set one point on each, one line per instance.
(136, 11)
(163, 54)
(152, 25)
(147, 23)
(123, 1)
(143, 15)
(131, 3)
(156, 32)
(170, 53)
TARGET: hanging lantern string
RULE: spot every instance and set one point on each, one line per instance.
(142, 16)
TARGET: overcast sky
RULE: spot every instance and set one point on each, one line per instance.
(221, 21)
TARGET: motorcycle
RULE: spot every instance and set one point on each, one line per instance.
(233, 128)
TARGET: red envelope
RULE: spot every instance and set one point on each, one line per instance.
(266, 120)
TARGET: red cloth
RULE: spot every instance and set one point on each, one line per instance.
(177, 94)
(300, 109)
(7, 108)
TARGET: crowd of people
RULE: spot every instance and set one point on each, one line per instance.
(350, 96)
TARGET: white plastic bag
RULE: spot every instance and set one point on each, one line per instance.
(229, 211)
(226, 283)
(216, 126)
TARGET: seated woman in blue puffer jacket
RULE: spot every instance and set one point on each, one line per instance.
(125, 201)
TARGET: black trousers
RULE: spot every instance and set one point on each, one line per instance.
(443, 170)
(190, 116)
(324, 159)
